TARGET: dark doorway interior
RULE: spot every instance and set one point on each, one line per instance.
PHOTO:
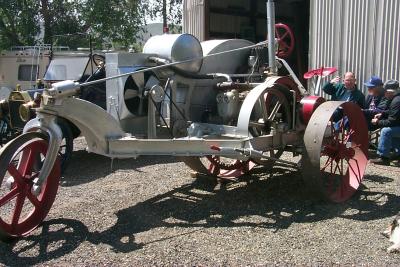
(247, 19)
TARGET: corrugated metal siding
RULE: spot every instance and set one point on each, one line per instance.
(356, 35)
(193, 18)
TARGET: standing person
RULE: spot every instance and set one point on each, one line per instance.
(389, 121)
(346, 90)
(376, 102)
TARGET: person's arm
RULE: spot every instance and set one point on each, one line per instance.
(383, 105)
(330, 88)
(361, 100)
(393, 115)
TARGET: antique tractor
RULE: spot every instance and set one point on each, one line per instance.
(223, 106)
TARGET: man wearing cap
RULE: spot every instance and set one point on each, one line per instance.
(389, 121)
(376, 102)
(346, 91)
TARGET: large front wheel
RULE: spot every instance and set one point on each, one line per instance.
(20, 164)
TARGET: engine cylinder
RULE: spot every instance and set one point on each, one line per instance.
(176, 47)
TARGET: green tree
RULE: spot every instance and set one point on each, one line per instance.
(173, 10)
(113, 21)
(19, 22)
(108, 21)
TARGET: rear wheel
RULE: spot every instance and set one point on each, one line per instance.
(20, 164)
(336, 150)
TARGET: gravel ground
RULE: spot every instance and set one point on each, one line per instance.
(149, 211)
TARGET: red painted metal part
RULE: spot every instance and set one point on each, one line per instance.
(285, 37)
(309, 105)
(323, 71)
(29, 210)
(336, 157)
(230, 170)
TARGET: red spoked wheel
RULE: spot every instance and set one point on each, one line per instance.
(336, 143)
(285, 38)
(20, 164)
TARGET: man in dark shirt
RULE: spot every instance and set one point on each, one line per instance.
(346, 90)
(389, 121)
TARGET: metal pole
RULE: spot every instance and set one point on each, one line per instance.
(164, 15)
(271, 37)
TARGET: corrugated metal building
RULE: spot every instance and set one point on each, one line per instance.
(194, 18)
(353, 35)
(357, 35)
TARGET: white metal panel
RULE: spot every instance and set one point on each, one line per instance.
(357, 35)
(193, 18)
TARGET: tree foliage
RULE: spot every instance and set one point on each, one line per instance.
(174, 10)
(18, 22)
(109, 22)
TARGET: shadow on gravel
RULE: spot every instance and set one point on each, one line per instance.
(67, 234)
(86, 167)
(377, 179)
(274, 202)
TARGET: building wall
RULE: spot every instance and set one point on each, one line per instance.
(193, 18)
(356, 35)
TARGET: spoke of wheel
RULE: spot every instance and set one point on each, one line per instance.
(274, 111)
(33, 200)
(285, 45)
(15, 174)
(214, 169)
(284, 35)
(264, 107)
(27, 162)
(341, 169)
(337, 167)
(277, 34)
(349, 134)
(327, 163)
(358, 168)
(18, 209)
(10, 195)
(342, 129)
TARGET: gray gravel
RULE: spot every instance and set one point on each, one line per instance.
(149, 211)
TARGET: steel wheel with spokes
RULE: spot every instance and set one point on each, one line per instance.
(336, 150)
(20, 164)
(273, 103)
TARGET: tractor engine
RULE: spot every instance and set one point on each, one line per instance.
(209, 90)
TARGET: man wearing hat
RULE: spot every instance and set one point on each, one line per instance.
(376, 102)
(389, 121)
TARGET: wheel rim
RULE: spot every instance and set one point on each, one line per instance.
(285, 38)
(21, 211)
(336, 159)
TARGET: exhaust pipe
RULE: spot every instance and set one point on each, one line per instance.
(271, 37)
